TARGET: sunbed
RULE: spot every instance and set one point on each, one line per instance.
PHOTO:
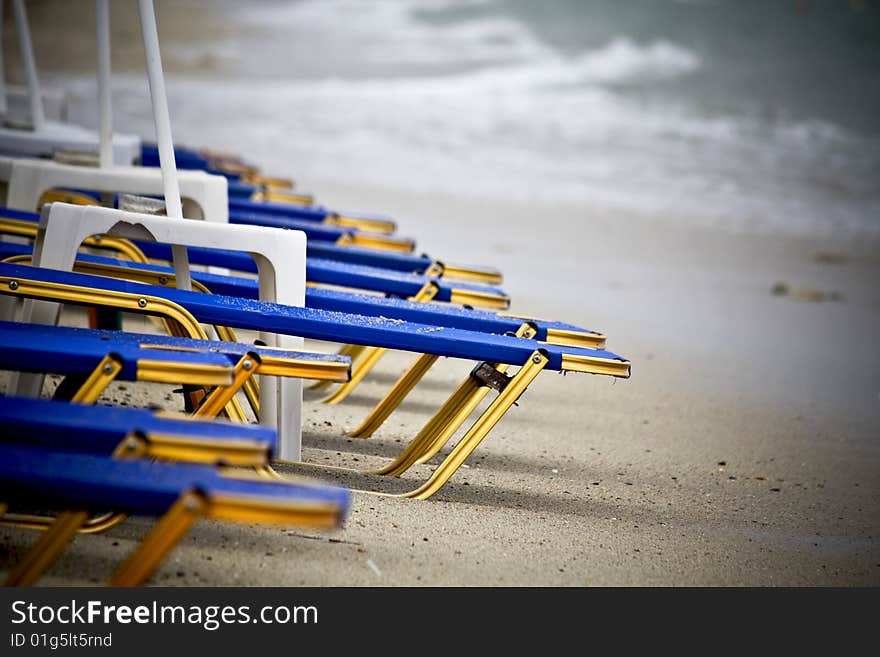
(492, 352)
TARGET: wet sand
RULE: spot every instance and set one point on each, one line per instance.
(742, 451)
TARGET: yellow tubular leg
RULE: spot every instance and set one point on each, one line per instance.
(489, 418)
(429, 432)
(395, 396)
(161, 539)
(98, 380)
(369, 356)
(446, 421)
(404, 386)
(252, 393)
(457, 418)
(47, 549)
(468, 274)
(251, 387)
(358, 372)
(220, 396)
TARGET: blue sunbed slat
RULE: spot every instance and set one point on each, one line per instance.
(237, 190)
(100, 429)
(327, 325)
(246, 207)
(402, 262)
(314, 213)
(24, 348)
(222, 352)
(349, 302)
(312, 229)
(29, 474)
(326, 272)
(184, 158)
(405, 262)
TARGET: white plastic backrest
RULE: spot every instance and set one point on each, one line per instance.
(27, 179)
(280, 256)
(54, 136)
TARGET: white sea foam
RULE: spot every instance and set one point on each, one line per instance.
(483, 107)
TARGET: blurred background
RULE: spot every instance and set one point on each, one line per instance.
(749, 115)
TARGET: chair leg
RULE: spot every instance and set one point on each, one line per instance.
(98, 380)
(490, 417)
(451, 415)
(395, 396)
(220, 396)
(160, 540)
(358, 371)
(251, 387)
(426, 437)
(361, 368)
(47, 549)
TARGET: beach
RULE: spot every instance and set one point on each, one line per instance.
(743, 451)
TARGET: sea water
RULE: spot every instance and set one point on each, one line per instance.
(750, 115)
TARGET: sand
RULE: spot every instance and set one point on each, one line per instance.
(743, 450)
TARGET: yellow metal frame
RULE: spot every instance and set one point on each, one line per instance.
(581, 339)
(191, 506)
(367, 357)
(275, 195)
(181, 322)
(407, 382)
(189, 449)
(98, 380)
(479, 299)
(383, 226)
(117, 244)
(65, 196)
(376, 241)
(456, 409)
(460, 273)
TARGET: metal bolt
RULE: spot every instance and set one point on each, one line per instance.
(142, 303)
(108, 368)
(191, 505)
(536, 358)
(13, 285)
(163, 279)
(247, 365)
(132, 444)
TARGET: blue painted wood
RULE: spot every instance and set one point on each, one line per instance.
(63, 479)
(326, 325)
(438, 314)
(94, 342)
(29, 348)
(100, 429)
(402, 262)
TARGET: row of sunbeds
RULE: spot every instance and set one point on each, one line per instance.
(91, 464)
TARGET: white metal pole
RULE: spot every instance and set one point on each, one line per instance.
(102, 13)
(3, 106)
(173, 205)
(38, 116)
